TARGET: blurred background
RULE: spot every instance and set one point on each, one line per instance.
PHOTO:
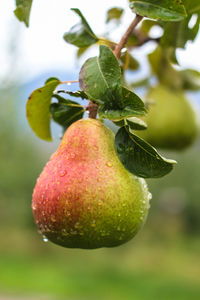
(162, 261)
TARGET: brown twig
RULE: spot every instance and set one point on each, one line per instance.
(92, 108)
(124, 38)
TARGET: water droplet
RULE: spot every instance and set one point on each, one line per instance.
(149, 196)
(45, 239)
(109, 164)
(62, 173)
(34, 207)
(53, 218)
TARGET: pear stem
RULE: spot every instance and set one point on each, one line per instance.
(125, 36)
(93, 107)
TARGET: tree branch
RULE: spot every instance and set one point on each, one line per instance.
(124, 38)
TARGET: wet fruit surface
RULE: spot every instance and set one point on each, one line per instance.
(85, 198)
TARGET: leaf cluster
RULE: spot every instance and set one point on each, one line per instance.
(102, 78)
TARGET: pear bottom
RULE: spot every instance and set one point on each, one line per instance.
(85, 198)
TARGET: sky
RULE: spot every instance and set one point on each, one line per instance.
(41, 47)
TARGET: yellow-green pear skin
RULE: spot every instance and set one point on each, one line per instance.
(171, 120)
(84, 197)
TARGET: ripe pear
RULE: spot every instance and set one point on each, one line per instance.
(84, 197)
(171, 120)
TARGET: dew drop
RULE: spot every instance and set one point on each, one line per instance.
(109, 164)
(34, 207)
(45, 239)
(62, 173)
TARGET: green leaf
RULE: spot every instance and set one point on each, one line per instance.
(191, 79)
(22, 12)
(100, 79)
(114, 13)
(51, 79)
(139, 157)
(78, 94)
(99, 74)
(163, 69)
(65, 112)
(166, 10)
(81, 51)
(129, 62)
(192, 6)
(80, 35)
(147, 25)
(181, 33)
(37, 109)
(136, 124)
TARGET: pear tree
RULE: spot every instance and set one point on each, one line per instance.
(92, 193)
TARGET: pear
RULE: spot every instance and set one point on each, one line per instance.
(171, 120)
(84, 197)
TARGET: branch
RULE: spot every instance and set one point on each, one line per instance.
(124, 38)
